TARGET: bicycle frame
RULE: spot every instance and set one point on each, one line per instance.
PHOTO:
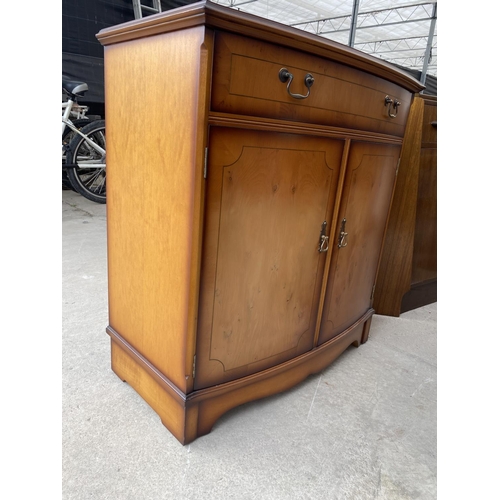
(67, 106)
(77, 111)
(66, 122)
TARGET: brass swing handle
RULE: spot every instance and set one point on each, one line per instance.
(285, 76)
(343, 235)
(323, 239)
(392, 103)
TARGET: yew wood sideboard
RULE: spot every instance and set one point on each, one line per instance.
(251, 168)
(407, 276)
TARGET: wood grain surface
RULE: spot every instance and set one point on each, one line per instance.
(395, 266)
(153, 170)
(220, 185)
(268, 195)
(408, 271)
(366, 199)
(246, 82)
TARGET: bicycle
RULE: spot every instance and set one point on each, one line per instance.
(77, 114)
(85, 152)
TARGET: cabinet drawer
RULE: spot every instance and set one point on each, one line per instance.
(246, 81)
(429, 126)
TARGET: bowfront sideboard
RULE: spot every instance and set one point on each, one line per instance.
(250, 173)
(407, 277)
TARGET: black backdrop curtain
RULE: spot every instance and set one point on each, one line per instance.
(82, 54)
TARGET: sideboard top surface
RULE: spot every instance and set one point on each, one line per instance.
(219, 17)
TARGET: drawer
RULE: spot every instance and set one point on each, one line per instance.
(429, 126)
(246, 82)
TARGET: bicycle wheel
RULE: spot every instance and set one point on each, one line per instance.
(86, 165)
(66, 138)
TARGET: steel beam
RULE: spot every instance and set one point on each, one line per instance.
(354, 22)
(429, 44)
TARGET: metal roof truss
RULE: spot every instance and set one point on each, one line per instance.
(398, 31)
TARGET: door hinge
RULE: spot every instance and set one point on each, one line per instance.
(205, 167)
(194, 366)
(373, 293)
(397, 166)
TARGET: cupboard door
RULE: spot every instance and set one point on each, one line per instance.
(267, 197)
(366, 199)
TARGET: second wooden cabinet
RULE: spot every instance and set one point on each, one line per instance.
(246, 211)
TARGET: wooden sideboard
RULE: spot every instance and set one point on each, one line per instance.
(251, 168)
(408, 269)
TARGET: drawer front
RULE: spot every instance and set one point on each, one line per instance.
(429, 127)
(246, 81)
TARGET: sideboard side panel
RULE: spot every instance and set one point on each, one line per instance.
(153, 174)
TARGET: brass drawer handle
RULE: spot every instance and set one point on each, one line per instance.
(286, 76)
(394, 103)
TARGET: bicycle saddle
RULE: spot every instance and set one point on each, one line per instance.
(75, 88)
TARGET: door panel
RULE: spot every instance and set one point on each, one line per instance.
(267, 197)
(424, 264)
(366, 197)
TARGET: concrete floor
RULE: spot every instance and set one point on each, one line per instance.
(363, 428)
